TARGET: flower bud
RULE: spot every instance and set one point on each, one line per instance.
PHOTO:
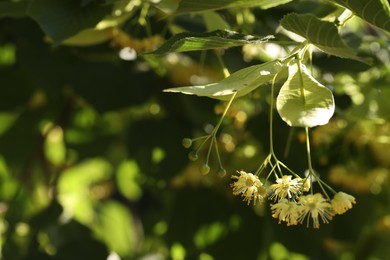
(221, 172)
(193, 156)
(205, 169)
(186, 142)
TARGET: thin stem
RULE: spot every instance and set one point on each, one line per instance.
(322, 187)
(301, 78)
(263, 165)
(308, 150)
(344, 17)
(198, 138)
(282, 42)
(217, 151)
(272, 171)
(271, 115)
(224, 114)
(225, 71)
(289, 141)
(207, 137)
(288, 169)
(326, 185)
(202, 60)
(209, 151)
(311, 172)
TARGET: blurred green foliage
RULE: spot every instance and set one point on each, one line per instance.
(91, 162)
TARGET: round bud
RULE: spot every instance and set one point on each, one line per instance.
(186, 142)
(193, 156)
(221, 172)
(205, 169)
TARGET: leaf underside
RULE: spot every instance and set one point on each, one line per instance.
(62, 19)
(323, 35)
(375, 12)
(190, 41)
(189, 6)
(242, 82)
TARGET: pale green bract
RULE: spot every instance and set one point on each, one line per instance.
(303, 101)
(242, 82)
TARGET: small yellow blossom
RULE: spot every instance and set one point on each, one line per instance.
(341, 202)
(315, 206)
(287, 211)
(248, 186)
(306, 184)
(286, 187)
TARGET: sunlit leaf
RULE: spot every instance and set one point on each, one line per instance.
(7, 119)
(375, 12)
(303, 101)
(54, 146)
(116, 228)
(187, 6)
(62, 19)
(209, 234)
(127, 180)
(190, 41)
(8, 184)
(74, 187)
(323, 35)
(242, 81)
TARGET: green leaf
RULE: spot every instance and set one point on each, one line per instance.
(62, 19)
(74, 186)
(13, 9)
(189, 6)
(375, 12)
(127, 180)
(214, 21)
(116, 228)
(323, 35)
(242, 81)
(54, 146)
(190, 41)
(303, 101)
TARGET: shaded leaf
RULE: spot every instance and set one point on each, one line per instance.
(323, 35)
(214, 21)
(242, 81)
(75, 241)
(303, 101)
(190, 41)
(13, 9)
(375, 12)
(187, 6)
(62, 19)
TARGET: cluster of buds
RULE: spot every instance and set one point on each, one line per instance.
(290, 205)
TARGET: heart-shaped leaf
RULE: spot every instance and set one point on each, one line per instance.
(242, 81)
(303, 101)
(189, 6)
(62, 19)
(375, 12)
(190, 41)
(323, 35)
(13, 9)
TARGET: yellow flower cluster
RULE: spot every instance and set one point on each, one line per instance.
(249, 186)
(291, 205)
